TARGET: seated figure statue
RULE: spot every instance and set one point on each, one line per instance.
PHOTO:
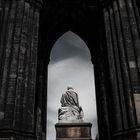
(70, 110)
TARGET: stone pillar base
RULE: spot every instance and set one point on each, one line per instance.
(73, 131)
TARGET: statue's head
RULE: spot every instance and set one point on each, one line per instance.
(69, 87)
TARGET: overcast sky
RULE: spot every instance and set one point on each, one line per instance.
(70, 65)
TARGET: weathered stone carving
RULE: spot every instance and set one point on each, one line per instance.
(70, 110)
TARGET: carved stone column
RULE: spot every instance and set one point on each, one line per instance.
(123, 40)
(18, 61)
(41, 98)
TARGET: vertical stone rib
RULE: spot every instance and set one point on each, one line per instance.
(137, 16)
(30, 72)
(21, 66)
(14, 63)
(128, 45)
(115, 99)
(33, 67)
(27, 71)
(123, 64)
(3, 41)
(102, 97)
(8, 52)
(2, 13)
(118, 70)
(39, 98)
(134, 69)
(137, 86)
(135, 38)
(3, 36)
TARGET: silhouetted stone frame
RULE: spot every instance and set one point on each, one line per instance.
(89, 20)
(93, 35)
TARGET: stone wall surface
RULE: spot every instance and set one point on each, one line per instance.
(122, 22)
(22, 112)
(19, 26)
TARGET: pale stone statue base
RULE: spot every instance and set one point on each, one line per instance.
(73, 131)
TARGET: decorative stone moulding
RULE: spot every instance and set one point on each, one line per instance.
(36, 3)
(73, 131)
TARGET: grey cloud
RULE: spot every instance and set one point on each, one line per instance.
(70, 65)
(68, 46)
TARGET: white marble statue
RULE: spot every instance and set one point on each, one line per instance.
(70, 111)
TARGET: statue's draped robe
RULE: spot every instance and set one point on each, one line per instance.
(69, 98)
(70, 110)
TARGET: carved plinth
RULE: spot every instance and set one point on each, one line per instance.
(73, 131)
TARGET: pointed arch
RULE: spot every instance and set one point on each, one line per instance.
(89, 30)
(49, 36)
(75, 43)
(70, 64)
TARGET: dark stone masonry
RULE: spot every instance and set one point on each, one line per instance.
(28, 30)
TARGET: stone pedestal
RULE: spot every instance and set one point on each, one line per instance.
(73, 131)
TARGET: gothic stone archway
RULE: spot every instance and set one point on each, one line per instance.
(99, 26)
(110, 29)
(80, 19)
